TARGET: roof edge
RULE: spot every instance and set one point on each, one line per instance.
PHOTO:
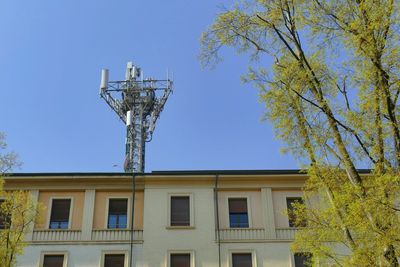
(172, 172)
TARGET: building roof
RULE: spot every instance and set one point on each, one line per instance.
(172, 172)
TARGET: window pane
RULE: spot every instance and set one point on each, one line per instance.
(60, 213)
(241, 260)
(117, 213)
(238, 205)
(290, 209)
(180, 211)
(5, 218)
(238, 220)
(180, 260)
(114, 260)
(53, 260)
(238, 216)
(302, 259)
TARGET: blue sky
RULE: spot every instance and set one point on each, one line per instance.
(51, 55)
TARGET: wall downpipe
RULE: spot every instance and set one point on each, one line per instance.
(132, 219)
(217, 234)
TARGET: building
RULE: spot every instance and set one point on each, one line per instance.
(180, 219)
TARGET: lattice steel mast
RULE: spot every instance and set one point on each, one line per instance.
(138, 102)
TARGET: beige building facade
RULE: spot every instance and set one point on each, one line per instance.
(180, 219)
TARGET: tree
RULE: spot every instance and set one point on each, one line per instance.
(17, 212)
(332, 95)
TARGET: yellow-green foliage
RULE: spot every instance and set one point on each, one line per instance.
(22, 212)
(17, 212)
(332, 95)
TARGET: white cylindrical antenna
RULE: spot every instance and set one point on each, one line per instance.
(128, 73)
(104, 79)
(129, 118)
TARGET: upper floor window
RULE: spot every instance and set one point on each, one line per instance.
(5, 216)
(180, 211)
(114, 260)
(238, 214)
(302, 259)
(179, 260)
(59, 217)
(242, 260)
(117, 213)
(290, 209)
(53, 260)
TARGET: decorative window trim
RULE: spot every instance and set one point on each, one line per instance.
(248, 198)
(191, 252)
(45, 253)
(250, 251)
(50, 207)
(191, 211)
(111, 252)
(128, 212)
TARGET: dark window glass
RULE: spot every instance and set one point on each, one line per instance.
(60, 213)
(238, 216)
(302, 259)
(53, 261)
(180, 211)
(114, 260)
(180, 260)
(117, 213)
(5, 218)
(292, 218)
(241, 260)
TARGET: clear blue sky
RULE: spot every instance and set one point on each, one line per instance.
(51, 54)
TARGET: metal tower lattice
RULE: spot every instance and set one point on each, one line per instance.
(138, 102)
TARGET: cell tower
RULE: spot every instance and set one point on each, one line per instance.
(138, 102)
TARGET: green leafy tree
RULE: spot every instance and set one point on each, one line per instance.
(332, 94)
(17, 212)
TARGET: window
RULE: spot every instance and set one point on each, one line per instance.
(53, 261)
(59, 218)
(238, 215)
(179, 260)
(117, 213)
(114, 260)
(180, 211)
(5, 217)
(290, 209)
(302, 259)
(242, 260)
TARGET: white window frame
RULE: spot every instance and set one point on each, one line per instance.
(248, 210)
(241, 251)
(128, 212)
(46, 253)
(191, 252)
(51, 207)
(191, 211)
(113, 252)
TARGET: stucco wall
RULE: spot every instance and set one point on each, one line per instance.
(77, 208)
(279, 200)
(100, 209)
(255, 211)
(77, 255)
(159, 239)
